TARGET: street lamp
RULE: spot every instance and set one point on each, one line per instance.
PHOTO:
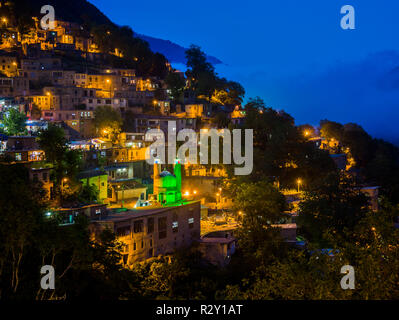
(299, 181)
(64, 180)
(123, 194)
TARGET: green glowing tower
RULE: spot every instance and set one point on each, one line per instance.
(167, 186)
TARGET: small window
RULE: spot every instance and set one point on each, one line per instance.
(175, 226)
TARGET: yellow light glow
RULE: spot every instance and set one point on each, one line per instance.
(187, 193)
(195, 192)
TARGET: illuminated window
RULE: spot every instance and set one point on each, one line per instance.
(191, 223)
(175, 226)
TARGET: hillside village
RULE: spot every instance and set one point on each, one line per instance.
(59, 77)
(76, 104)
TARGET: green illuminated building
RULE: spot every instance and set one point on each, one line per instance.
(167, 186)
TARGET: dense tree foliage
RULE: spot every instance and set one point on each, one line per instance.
(65, 162)
(376, 161)
(14, 122)
(108, 122)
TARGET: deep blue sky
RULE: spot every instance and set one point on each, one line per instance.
(291, 53)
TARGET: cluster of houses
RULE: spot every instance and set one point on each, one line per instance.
(36, 80)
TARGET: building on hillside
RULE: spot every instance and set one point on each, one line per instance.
(81, 121)
(218, 247)
(167, 186)
(42, 175)
(237, 116)
(8, 64)
(92, 211)
(24, 148)
(118, 104)
(150, 232)
(11, 87)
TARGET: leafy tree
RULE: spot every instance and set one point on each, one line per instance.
(108, 122)
(176, 84)
(197, 62)
(88, 193)
(22, 208)
(14, 122)
(313, 275)
(331, 130)
(259, 205)
(334, 210)
(307, 130)
(228, 93)
(65, 162)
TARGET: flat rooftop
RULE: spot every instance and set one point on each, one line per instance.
(143, 211)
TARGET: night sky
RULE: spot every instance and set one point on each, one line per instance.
(291, 53)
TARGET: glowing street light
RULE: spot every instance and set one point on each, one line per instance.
(299, 181)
